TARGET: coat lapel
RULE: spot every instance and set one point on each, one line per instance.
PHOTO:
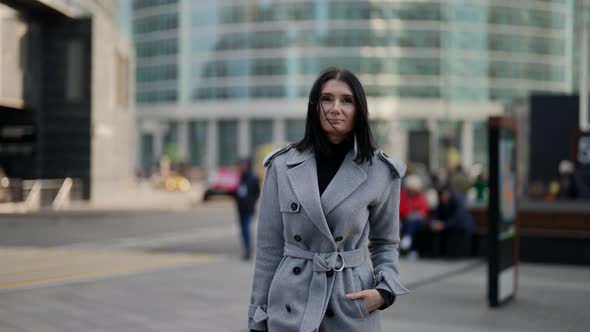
(302, 174)
(348, 178)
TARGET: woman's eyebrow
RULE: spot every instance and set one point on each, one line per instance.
(331, 94)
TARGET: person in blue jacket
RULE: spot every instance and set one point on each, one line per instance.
(246, 196)
(454, 222)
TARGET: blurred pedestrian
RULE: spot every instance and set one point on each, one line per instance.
(246, 196)
(582, 181)
(413, 211)
(567, 184)
(459, 182)
(481, 187)
(323, 200)
(453, 221)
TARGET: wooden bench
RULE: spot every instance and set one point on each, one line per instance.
(552, 232)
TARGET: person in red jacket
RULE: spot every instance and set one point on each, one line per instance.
(413, 211)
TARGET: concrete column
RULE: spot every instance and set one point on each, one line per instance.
(182, 139)
(467, 145)
(244, 138)
(279, 131)
(584, 117)
(398, 140)
(434, 148)
(184, 51)
(158, 142)
(212, 142)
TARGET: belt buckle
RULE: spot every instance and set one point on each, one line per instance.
(341, 266)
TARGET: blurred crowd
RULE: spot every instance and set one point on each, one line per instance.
(571, 183)
(435, 221)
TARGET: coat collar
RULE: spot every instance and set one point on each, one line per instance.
(296, 157)
(348, 178)
(302, 174)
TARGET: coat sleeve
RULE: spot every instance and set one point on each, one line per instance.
(269, 250)
(384, 239)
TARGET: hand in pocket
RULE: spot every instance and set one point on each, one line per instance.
(371, 297)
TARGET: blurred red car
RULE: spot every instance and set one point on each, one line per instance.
(222, 182)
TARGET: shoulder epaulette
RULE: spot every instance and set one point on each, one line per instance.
(275, 153)
(397, 167)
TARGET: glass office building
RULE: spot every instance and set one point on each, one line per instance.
(219, 78)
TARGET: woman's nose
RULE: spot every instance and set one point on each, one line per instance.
(337, 106)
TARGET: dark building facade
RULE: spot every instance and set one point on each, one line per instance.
(63, 105)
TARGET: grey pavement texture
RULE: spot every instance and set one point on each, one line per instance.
(213, 295)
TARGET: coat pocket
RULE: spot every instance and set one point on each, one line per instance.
(361, 303)
(352, 308)
(365, 280)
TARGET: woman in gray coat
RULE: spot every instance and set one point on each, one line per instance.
(325, 201)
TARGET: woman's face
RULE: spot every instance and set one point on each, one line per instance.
(337, 110)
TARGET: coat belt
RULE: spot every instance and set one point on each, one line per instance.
(321, 287)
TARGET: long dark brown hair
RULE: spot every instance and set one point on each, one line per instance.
(314, 134)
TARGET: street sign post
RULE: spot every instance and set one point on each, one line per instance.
(502, 211)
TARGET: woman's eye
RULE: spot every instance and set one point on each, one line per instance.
(325, 98)
(348, 101)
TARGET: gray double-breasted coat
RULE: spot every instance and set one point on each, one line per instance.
(303, 269)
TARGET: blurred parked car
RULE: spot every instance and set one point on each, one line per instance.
(222, 182)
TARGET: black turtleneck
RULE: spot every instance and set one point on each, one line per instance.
(328, 164)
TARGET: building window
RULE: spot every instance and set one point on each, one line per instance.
(151, 73)
(260, 133)
(380, 131)
(157, 48)
(158, 96)
(228, 143)
(480, 135)
(141, 4)
(197, 142)
(147, 152)
(156, 23)
(295, 130)
(74, 71)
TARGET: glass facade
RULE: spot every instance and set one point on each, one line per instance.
(380, 131)
(228, 143)
(480, 140)
(147, 155)
(260, 133)
(197, 142)
(295, 130)
(155, 28)
(251, 51)
(460, 50)
(502, 50)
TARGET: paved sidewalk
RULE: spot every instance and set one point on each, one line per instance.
(213, 296)
(143, 197)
